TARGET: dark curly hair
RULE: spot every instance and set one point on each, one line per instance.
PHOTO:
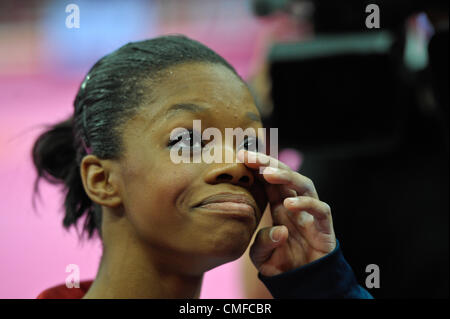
(110, 94)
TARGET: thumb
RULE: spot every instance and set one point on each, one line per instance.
(265, 242)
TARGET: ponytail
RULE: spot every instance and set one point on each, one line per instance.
(55, 159)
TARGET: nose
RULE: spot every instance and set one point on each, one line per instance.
(233, 173)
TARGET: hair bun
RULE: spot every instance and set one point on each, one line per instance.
(54, 152)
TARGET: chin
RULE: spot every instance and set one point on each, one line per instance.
(230, 246)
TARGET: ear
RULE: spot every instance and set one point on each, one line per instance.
(100, 182)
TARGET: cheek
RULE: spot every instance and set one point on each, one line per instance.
(167, 185)
(152, 197)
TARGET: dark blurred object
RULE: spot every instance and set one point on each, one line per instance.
(438, 57)
(266, 7)
(327, 97)
(340, 16)
(347, 16)
(374, 133)
(356, 82)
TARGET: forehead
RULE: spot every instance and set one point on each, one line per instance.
(211, 85)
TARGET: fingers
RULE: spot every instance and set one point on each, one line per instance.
(256, 160)
(321, 212)
(276, 193)
(278, 172)
(265, 243)
(301, 184)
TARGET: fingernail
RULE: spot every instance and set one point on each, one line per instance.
(252, 157)
(271, 170)
(290, 201)
(240, 156)
(275, 234)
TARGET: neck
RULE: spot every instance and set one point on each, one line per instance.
(130, 270)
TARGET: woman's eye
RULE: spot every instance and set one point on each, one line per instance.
(251, 143)
(186, 140)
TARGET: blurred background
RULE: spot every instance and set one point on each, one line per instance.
(361, 111)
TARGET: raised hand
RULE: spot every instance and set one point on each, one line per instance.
(303, 227)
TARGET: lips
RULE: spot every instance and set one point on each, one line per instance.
(230, 204)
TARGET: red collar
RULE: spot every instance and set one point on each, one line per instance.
(62, 292)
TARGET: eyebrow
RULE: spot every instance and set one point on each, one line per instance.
(189, 107)
(195, 108)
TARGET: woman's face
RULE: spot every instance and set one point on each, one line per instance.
(161, 197)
